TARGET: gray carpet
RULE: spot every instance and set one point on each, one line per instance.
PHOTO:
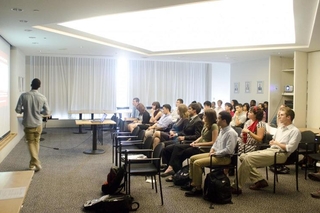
(69, 178)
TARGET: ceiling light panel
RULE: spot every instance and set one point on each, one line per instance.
(205, 25)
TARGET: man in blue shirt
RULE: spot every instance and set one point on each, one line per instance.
(33, 105)
(163, 123)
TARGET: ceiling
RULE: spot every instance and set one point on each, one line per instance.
(17, 28)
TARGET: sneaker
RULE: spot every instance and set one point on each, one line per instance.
(186, 187)
(259, 185)
(315, 194)
(314, 176)
(235, 191)
(194, 192)
(32, 168)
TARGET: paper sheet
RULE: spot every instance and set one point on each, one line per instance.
(12, 193)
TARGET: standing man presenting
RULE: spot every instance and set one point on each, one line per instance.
(33, 105)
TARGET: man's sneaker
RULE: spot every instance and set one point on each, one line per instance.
(314, 176)
(32, 168)
(315, 194)
(259, 185)
(194, 192)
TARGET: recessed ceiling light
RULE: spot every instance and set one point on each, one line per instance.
(36, 10)
(32, 37)
(202, 25)
(35, 43)
(23, 21)
(27, 30)
(17, 9)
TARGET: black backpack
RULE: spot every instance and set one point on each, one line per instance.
(114, 184)
(217, 187)
(181, 178)
(112, 204)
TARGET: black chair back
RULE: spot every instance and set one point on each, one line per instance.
(157, 154)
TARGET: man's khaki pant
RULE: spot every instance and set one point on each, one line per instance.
(33, 139)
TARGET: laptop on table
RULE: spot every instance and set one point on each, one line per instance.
(100, 120)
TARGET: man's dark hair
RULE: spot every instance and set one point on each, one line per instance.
(196, 107)
(167, 106)
(225, 116)
(253, 103)
(136, 99)
(207, 103)
(229, 105)
(239, 105)
(180, 100)
(35, 84)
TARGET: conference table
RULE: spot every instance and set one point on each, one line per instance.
(13, 189)
(92, 112)
(94, 125)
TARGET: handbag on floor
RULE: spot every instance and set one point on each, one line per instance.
(112, 204)
(217, 187)
(181, 178)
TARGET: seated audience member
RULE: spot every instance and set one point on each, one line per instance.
(163, 123)
(219, 107)
(261, 106)
(135, 113)
(144, 117)
(234, 103)
(192, 130)
(206, 105)
(285, 141)
(175, 114)
(253, 131)
(228, 108)
(174, 155)
(222, 148)
(245, 108)
(275, 121)
(239, 117)
(155, 112)
(266, 105)
(213, 105)
(183, 120)
(253, 103)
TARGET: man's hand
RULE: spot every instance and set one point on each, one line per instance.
(181, 138)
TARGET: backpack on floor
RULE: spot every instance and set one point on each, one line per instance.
(114, 184)
(181, 178)
(112, 204)
(217, 187)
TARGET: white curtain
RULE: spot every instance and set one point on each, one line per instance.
(73, 84)
(89, 84)
(167, 81)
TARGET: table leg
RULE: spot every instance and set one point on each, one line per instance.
(94, 149)
(80, 126)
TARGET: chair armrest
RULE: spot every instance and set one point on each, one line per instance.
(137, 150)
(143, 160)
(186, 142)
(126, 136)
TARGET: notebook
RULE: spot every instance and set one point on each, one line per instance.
(101, 120)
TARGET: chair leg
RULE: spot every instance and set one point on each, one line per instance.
(275, 175)
(155, 183)
(160, 190)
(297, 184)
(267, 173)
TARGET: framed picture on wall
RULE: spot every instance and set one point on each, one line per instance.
(236, 88)
(260, 87)
(247, 86)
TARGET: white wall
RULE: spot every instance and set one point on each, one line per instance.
(251, 71)
(220, 82)
(313, 103)
(17, 69)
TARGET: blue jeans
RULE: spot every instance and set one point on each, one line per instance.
(33, 139)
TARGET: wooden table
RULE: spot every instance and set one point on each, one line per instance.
(14, 180)
(316, 131)
(94, 149)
